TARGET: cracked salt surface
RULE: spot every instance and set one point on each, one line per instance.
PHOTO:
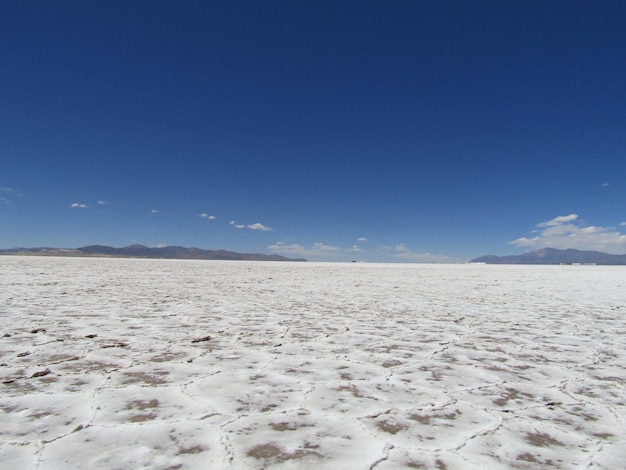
(109, 363)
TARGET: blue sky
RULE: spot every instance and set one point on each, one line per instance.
(334, 130)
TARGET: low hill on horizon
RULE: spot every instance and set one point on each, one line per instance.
(555, 256)
(142, 251)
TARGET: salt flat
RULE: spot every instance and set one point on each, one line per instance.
(113, 363)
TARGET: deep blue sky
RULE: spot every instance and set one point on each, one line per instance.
(375, 130)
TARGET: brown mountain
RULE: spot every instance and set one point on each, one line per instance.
(141, 251)
(554, 256)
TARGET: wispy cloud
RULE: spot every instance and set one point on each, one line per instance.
(204, 215)
(361, 239)
(102, 202)
(565, 232)
(622, 224)
(558, 220)
(326, 248)
(5, 201)
(78, 205)
(605, 184)
(7, 190)
(154, 211)
(403, 253)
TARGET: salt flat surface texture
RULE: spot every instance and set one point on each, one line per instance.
(109, 363)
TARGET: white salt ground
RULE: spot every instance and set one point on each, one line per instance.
(108, 363)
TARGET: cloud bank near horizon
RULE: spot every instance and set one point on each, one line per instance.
(322, 251)
(566, 231)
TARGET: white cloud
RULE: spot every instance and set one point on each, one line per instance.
(259, 226)
(317, 250)
(605, 184)
(354, 249)
(622, 224)
(102, 203)
(524, 241)
(77, 205)
(361, 239)
(204, 215)
(558, 220)
(4, 200)
(325, 248)
(562, 233)
(161, 245)
(400, 247)
(154, 211)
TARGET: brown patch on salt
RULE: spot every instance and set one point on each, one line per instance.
(142, 377)
(142, 418)
(269, 407)
(540, 439)
(393, 363)
(422, 419)
(440, 464)
(526, 457)
(167, 357)
(291, 370)
(191, 450)
(413, 464)
(285, 426)
(511, 394)
(435, 374)
(40, 414)
(87, 366)
(392, 427)
(425, 419)
(143, 404)
(272, 451)
(350, 388)
(264, 451)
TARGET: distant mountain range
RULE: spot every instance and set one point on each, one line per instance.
(141, 251)
(554, 256)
